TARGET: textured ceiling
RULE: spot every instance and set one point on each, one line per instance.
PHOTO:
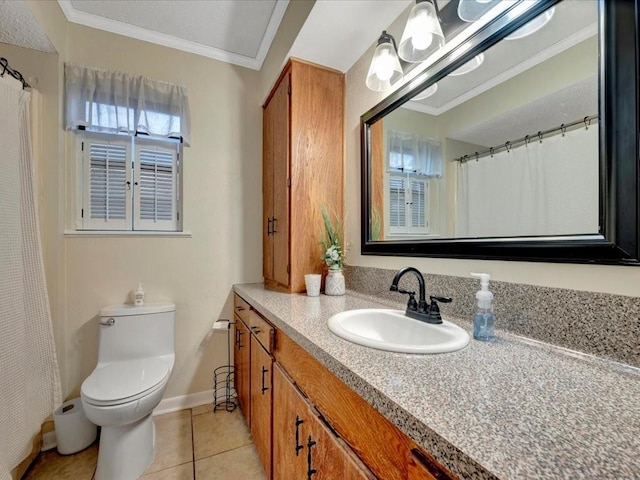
(19, 27)
(334, 34)
(238, 32)
(564, 106)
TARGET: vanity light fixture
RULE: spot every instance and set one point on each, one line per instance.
(472, 10)
(422, 34)
(470, 66)
(533, 26)
(426, 93)
(385, 69)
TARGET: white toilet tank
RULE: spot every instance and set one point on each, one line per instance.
(129, 332)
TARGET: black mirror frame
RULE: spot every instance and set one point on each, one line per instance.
(619, 238)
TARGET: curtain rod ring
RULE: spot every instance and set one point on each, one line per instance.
(508, 146)
(527, 139)
(491, 152)
(465, 159)
(564, 129)
(540, 136)
(5, 64)
(587, 122)
(477, 156)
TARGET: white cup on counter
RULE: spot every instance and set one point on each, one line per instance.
(312, 282)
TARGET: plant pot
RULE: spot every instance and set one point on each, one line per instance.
(334, 283)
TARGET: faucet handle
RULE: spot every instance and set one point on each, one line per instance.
(440, 299)
(433, 312)
(406, 292)
(412, 305)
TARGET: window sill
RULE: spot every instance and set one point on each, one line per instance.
(124, 233)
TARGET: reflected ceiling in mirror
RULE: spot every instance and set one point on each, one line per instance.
(501, 151)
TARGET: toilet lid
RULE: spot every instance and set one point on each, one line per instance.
(121, 380)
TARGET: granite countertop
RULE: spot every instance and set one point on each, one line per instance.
(509, 409)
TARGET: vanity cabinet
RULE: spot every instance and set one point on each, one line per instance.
(241, 366)
(307, 424)
(303, 138)
(305, 447)
(261, 401)
(241, 356)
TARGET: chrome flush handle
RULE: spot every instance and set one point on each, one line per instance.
(108, 323)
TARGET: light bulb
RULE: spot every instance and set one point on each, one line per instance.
(420, 38)
(384, 65)
(422, 35)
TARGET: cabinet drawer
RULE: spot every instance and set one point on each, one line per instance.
(241, 308)
(263, 330)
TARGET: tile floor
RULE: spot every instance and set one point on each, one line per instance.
(192, 444)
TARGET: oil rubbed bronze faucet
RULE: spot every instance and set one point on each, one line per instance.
(420, 310)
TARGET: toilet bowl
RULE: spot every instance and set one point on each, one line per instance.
(135, 359)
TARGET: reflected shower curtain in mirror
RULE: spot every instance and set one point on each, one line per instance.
(29, 377)
(542, 188)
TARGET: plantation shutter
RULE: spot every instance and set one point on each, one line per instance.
(397, 202)
(106, 193)
(408, 204)
(418, 203)
(155, 195)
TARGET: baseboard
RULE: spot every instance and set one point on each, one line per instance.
(173, 404)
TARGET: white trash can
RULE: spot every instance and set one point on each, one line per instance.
(74, 431)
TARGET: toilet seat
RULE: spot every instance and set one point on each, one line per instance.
(125, 381)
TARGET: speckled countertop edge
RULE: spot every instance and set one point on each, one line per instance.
(509, 409)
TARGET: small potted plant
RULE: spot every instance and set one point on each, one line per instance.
(334, 254)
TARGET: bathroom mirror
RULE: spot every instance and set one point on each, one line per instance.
(518, 143)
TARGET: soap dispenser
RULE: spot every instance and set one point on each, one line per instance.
(483, 318)
(139, 296)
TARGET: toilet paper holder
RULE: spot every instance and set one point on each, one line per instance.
(224, 391)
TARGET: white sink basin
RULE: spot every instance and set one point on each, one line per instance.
(392, 331)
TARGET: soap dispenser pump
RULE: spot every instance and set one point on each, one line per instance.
(139, 301)
(483, 319)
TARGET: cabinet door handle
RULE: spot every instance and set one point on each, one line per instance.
(273, 225)
(264, 389)
(299, 447)
(255, 330)
(269, 228)
(310, 471)
(429, 466)
(239, 308)
(239, 339)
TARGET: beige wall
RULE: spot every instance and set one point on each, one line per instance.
(599, 278)
(222, 209)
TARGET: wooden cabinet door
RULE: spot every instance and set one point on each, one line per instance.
(268, 121)
(275, 185)
(303, 446)
(289, 420)
(261, 398)
(241, 360)
(281, 141)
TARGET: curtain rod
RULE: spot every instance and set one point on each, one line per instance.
(586, 121)
(4, 63)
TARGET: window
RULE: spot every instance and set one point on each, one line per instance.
(408, 204)
(129, 155)
(412, 162)
(128, 183)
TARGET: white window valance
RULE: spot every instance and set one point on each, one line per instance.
(116, 102)
(413, 154)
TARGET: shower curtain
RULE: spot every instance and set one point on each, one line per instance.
(547, 187)
(29, 376)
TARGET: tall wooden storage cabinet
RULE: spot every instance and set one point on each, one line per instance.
(303, 151)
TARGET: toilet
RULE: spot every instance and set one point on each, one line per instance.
(136, 353)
